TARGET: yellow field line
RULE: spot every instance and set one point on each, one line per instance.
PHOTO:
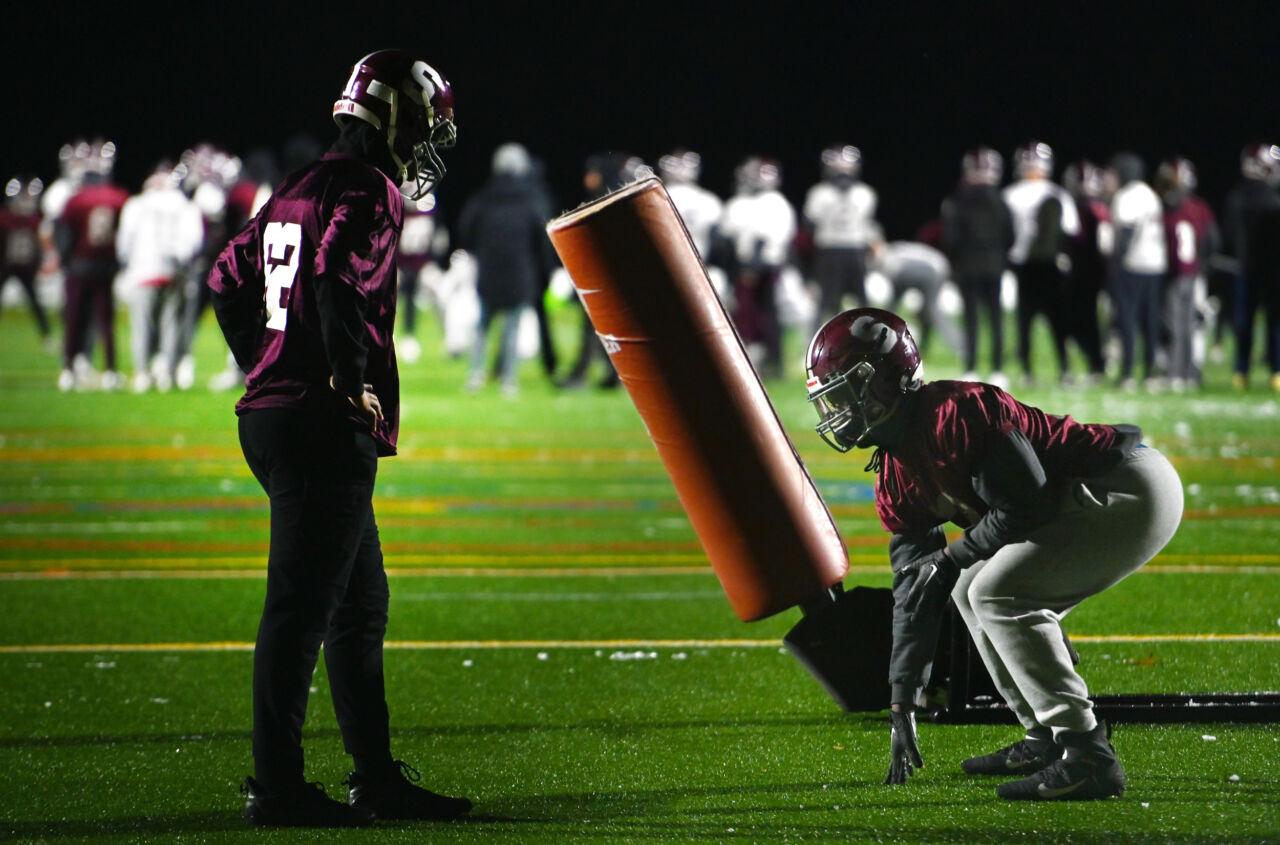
(566, 571)
(475, 645)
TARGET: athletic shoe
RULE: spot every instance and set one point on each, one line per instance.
(396, 796)
(1088, 771)
(1024, 757)
(308, 806)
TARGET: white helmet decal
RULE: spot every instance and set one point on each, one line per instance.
(872, 330)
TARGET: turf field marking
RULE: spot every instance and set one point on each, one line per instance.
(499, 645)
(99, 569)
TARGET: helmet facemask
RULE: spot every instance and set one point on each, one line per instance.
(847, 409)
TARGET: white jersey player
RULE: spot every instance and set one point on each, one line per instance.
(161, 231)
(840, 211)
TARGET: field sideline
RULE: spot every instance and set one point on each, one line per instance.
(558, 648)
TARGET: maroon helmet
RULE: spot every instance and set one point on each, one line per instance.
(680, 167)
(756, 174)
(22, 193)
(1083, 178)
(841, 161)
(1261, 161)
(1175, 178)
(859, 366)
(1034, 157)
(982, 166)
(411, 104)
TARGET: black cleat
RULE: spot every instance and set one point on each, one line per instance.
(1089, 771)
(1024, 757)
(397, 796)
(307, 806)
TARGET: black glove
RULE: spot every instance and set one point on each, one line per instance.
(904, 753)
(935, 575)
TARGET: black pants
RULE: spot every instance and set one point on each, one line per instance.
(1137, 299)
(1039, 292)
(26, 277)
(325, 584)
(981, 292)
(839, 271)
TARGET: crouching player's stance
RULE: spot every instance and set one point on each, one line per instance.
(1053, 511)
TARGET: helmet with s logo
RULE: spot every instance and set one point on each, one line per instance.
(859, 366)
(411, 105)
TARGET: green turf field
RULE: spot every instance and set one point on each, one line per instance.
(558, 649)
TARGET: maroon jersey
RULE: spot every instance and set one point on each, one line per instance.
(92, 215)
(338, 218)
(929, 480)
(19, 243)
(1186, 231)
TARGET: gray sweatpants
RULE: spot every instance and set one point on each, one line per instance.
(1013, 602)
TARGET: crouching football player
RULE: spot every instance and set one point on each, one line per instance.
(1053, 511)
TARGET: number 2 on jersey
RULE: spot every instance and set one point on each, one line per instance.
(280, 248)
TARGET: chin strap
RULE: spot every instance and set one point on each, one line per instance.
(876, 462)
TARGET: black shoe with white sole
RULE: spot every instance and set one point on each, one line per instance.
(1088, 771)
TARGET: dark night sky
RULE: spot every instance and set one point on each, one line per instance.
(912, 86)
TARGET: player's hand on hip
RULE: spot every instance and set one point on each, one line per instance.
(904, 752)
(367, 404)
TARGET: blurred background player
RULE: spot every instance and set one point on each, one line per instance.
(602, 173)
(160, 233)
(760, 224)
(20, 250)
(1138, 265)
(699, 208)
(910, 267)
(85, 235)
(1044, 216)
(502, 226)
(422, 241)
(839, 212)
(976, 234)
(1090, 256)
(1251, 233)
(209, 173)
(1191, 236)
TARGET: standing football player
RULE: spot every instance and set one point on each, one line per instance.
(977, 232)
(1251, 232)
(306, 297)
(840, 211)
(1044, 217)
(20, 253)
(1053, 511)
(1138, 265)
(1191, 236)
(85, 235)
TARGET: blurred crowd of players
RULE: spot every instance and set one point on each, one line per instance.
(1113, 259)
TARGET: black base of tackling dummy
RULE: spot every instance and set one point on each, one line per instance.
(845, 638)
(844, 641)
